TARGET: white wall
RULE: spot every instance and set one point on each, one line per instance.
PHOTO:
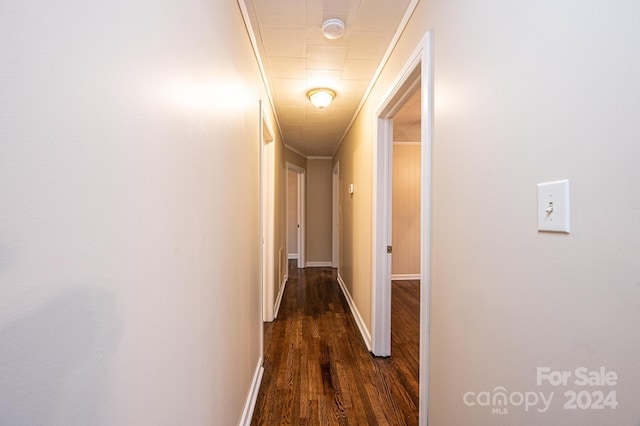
(524, 93)
(122, 124)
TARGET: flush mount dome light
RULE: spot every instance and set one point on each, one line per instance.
(321, 98)
(333, 29)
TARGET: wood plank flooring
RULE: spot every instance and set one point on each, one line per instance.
(317, 368)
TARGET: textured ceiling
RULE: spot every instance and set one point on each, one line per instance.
(297, 58)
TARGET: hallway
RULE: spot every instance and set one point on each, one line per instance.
(318, 370)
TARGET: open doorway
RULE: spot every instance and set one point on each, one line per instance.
(416, 76)
(296, 201)
(405, 237)
(267, 216)
(293, 218)
(405, 191)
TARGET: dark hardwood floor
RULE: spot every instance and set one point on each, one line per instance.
(317, 368)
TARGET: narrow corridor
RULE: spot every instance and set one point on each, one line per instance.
(317, 368)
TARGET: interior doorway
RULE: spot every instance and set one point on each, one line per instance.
(405, 237)
(267, 216)
(415, 76)
(296, 193)
(293, 218)
(405, 191)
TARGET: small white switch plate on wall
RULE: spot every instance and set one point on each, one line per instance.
(553, 206)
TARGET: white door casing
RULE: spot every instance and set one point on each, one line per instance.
(267, 190)
(301, 211)
(417, 71)
(335, 223)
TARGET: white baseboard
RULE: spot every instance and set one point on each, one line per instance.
(292, 256)
(405, 277)
(276, 308)
(366, 336)
(252, 397)
(319, 264)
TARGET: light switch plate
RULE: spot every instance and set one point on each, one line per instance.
(553, 206)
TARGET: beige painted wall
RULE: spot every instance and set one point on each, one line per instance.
(355, 157)
(406, 210)
(295, 158)
(292, 212)
(523, 94)
(128, 261)
(318, 211)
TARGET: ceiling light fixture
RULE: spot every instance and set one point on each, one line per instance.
(333, 29)
(321, 98)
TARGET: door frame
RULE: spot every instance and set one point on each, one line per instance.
(335, 216)
(267, 215)
(302, 178)
(417, 70)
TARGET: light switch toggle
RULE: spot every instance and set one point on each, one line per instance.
(549, 209)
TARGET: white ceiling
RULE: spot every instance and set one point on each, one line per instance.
(297, 58)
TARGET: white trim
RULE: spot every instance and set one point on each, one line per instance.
(403, 87)
(292, 256)
(381, 238)
(250, 403)
(405, 277)
(364, 332)
(267, 187)
(302, 218)
(276, 308)
(254, 46)
(302, 213)
(425, 225)
(319, 264)
(319, 158)
(252, 396)
(392, 45)
(421, 59)
(335, 216)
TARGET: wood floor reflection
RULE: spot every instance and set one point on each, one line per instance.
(317, 368)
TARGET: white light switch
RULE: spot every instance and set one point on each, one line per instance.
(553, 206)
